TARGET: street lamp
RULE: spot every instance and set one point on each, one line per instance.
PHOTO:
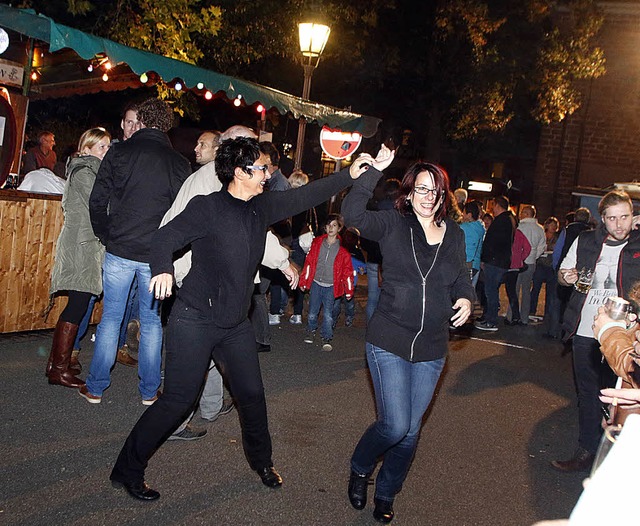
(313, 39)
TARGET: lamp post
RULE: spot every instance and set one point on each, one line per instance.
(313, 39)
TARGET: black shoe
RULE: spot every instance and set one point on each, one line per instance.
(270, 477)
(513, 322)
(138, 490)
(263, 347)
(358, 490)
(188, 434)
(383, 512)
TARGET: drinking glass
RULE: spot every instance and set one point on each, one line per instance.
(609, 438)
(585, 279)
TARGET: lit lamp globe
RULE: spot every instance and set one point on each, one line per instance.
(313, 39)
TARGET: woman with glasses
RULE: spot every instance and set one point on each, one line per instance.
(226, 231)
(425, 288)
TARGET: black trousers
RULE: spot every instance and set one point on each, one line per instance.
(192, 340)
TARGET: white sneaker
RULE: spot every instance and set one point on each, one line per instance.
(274, 319)
(296, 319)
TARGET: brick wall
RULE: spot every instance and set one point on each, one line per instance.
(600, 143)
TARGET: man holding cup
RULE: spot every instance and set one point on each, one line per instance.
(612, 253)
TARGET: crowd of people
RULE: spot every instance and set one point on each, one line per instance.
(206, 250)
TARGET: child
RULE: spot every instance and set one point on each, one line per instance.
(351, 243)
(328, 273)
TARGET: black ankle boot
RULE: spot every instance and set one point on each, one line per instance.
(383, 512)
(358, 490)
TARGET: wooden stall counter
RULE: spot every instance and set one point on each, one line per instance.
(29, 227)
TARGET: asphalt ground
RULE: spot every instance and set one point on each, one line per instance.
(504, 408)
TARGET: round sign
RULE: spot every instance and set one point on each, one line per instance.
(337, 144)
(4, 40)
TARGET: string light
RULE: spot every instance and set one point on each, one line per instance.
(259, 108)
(177, 86)
(237, 103)
(34, 76)
(144, 78)
(107, 65)
(90, 68)
(105, 77)
(200, 85)
(208, 95)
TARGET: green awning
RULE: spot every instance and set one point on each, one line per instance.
(87, 46)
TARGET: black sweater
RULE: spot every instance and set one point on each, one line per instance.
(136, 184)
(412, 317)
(227, 237)
(496, 247)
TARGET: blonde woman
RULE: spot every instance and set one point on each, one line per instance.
(79, 254)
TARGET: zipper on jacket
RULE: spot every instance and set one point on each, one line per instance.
(424, 287)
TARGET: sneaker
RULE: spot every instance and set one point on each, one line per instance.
(188, 433)
(310, 337)
(227, 407)
(274, 319)
(151, 401)
(326, 345)
(92, 399)
(296, 319)
(486, 326)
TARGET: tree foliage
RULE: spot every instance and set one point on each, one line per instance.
(457, 69)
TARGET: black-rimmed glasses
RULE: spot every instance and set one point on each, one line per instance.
(423, 190)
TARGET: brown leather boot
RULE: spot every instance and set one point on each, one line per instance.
(74, 365)
(60, 356)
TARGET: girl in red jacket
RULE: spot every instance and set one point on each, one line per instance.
(328, 273)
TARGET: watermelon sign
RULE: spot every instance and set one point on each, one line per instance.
(337, 144)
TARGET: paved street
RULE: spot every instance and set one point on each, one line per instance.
(504, 409)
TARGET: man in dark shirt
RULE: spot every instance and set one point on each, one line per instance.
(42, 155)
(496, 259)
(135, 186)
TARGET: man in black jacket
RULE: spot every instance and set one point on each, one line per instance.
(496, 259)
(612, 253)
(136, 184)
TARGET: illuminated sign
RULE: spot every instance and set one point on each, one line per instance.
(479, 186)
(337, 144)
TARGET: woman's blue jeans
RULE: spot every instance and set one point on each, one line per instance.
(403, 393)
(117, 276)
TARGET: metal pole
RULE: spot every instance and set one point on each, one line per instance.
(302, 124)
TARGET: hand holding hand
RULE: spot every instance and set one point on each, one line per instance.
(463, 306)
(161, 285)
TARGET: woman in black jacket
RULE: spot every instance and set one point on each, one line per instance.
(425, 287)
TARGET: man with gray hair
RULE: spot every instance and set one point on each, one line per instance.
(534, 233)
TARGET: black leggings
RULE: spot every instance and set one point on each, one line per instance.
(76, 307)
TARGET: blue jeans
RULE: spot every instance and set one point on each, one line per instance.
(321, 297)
(84, 324)
(403, 393)
(373, 289)
(492, 278)
(117, 276)
(349, 309)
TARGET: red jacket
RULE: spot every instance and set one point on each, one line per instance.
(342, 269)
(520, 249)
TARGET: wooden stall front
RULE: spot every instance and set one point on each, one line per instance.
(29, 228)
